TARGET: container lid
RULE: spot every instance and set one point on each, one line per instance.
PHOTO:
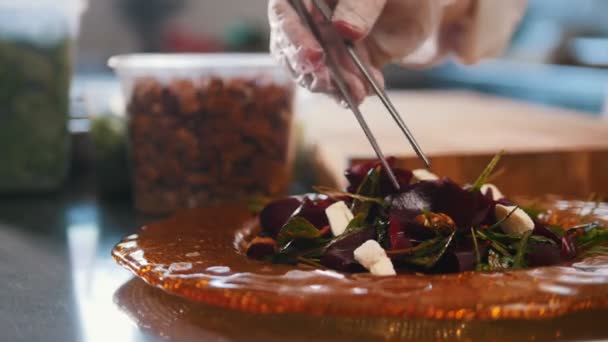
(191, 61)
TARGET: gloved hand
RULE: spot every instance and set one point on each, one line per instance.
(415, 33)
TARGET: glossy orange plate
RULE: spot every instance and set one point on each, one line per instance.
(198, 255)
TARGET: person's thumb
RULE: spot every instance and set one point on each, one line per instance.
(355, 19)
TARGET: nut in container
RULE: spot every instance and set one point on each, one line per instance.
(206, 129)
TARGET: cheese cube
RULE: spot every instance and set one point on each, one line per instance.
(423, 175)
(496, 194)
(373, 257)
(339, 217)
(384, 267)
(518, 223)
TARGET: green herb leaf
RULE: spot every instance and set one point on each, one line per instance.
(510, 238)
(477, 254)
(482, 179)
(594, 235)
(557, 230)
(370, 186)
(431, 260)
(424, 248)
(381, 227)
(499, 247)
(311, 262)
(518, 262)
(297, 228)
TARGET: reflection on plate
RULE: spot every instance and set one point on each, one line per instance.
(177, 319)
(196, 255)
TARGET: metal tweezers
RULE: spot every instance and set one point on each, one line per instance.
(338, 78)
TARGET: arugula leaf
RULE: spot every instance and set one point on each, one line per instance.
(502, 249)
(429, 261)
(557, 230)
(483, 177)
(518, 261)
(381, 227)
(370, 186)
(297, 228)
(311, 262)
(423, 248)
(593, 236)
(477, 254)
(509, 238)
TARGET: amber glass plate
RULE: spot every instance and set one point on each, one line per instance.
(198, 255)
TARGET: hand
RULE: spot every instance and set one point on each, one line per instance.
(412, 32)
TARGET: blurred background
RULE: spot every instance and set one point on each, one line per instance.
(558, 57)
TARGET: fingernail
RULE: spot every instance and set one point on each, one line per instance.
(348, 31)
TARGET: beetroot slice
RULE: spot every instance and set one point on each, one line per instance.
(356, 174)
(543, 255)
(466, 208)
(397, 235)
(313, 210)
(274, 216)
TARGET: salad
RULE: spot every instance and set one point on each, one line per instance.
(431, 225)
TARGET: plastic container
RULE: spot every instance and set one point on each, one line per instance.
(35, 67)
(206, 128)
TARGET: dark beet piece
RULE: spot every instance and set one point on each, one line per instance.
(260, 248)
(397, 236)
(453, 262)
(274, 216)
(313, 210)
(339, 256)
(568, 250)
(542, 230)
(356, 174)
(543, 255)
(466, 208)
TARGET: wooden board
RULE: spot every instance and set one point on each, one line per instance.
(548, 150)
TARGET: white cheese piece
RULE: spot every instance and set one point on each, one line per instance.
(371, 256)
(518, 223)
(496, 194)
(423, 175)
(384, 267)
(339, 217)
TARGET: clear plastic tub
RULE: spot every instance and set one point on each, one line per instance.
(206, 128)
(35, 68)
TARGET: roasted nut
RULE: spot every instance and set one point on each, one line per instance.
(438, 221)
(261, 247)
(214, 140)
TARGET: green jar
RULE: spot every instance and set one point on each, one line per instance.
(35, 73)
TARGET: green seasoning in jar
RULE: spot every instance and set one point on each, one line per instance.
(34, 109)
